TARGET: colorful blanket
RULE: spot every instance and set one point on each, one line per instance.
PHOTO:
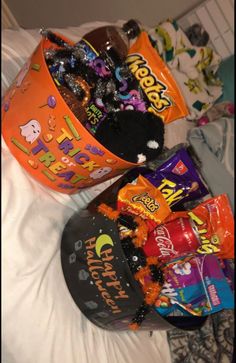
(213, 343)
(194, 68)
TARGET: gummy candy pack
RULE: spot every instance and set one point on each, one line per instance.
(196, 285)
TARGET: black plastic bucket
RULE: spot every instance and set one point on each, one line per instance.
(97, 273)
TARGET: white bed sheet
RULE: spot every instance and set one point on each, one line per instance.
(40, 321)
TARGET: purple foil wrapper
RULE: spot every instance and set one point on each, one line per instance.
(191, 272)
(197, 284)
(178, 179)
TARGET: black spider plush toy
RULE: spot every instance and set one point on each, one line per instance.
(134, 136)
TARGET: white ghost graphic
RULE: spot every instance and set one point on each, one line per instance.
(31, 131)
(182, 269)
(99, 173)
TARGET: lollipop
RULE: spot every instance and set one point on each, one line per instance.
(51, 102)
(76, 107)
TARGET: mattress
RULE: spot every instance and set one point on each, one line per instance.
(41, 322)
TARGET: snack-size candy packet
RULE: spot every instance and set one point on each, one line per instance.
(156, 80)
(214, 221)
(178, 179)
(143, 199)
(196, 285)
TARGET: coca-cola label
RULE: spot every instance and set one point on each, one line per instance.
(163, 241)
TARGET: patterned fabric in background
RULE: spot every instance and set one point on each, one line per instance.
(194, 68)
(213, 343)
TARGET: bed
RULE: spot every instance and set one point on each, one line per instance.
(41, 322)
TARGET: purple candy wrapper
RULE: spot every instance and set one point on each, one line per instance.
(228, 270)
(178, 179)
(196, 285)
(126, 92)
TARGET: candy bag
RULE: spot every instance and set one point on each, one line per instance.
(156, 80)
(196, 285)
(144, 200)
(214, 221)
(178, 180)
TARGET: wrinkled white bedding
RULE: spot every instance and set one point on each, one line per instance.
(40, 321)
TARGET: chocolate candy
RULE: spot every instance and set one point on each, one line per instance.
(73, 103)
(79, 87)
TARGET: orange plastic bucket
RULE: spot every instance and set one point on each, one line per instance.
(45, 136)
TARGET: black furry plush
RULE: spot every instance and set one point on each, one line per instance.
(134, 136)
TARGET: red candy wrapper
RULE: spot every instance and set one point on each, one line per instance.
(173, 239)
(214, 221)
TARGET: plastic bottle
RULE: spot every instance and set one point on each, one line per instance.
(111, 42)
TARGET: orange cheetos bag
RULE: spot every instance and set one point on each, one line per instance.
(156, 80)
